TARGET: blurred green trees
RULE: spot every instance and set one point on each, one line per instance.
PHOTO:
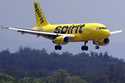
(60, 76)
(38, 66)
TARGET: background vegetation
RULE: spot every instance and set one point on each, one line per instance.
(37, 66)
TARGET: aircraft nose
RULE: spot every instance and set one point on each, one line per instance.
(107, 33)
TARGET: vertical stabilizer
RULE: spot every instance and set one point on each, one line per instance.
(40, 18)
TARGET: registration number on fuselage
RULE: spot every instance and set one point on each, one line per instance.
(69, 29)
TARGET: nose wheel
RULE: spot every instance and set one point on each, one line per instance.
(97, 47)
(58, 47)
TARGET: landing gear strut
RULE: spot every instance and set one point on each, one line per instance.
(58, 47)
(84, 48)
(96, 46)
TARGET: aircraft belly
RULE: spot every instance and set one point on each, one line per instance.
(78, 38)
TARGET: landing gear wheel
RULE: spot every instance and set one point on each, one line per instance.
(58, 47)
(84, 48)
(97, 47)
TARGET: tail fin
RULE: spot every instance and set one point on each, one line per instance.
(40, 18)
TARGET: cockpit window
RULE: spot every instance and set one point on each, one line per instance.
(102, 28)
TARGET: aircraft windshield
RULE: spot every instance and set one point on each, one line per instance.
(102, 28)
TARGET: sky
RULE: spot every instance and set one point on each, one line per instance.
(19, 13)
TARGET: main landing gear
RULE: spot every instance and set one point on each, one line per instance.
(84, 48)
(58, 47)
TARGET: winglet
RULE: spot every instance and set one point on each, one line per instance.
(3, 27)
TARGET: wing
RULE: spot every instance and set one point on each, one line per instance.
(116, 32)
(49, 35)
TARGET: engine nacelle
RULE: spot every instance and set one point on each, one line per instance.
(61, 40)
(103, 42)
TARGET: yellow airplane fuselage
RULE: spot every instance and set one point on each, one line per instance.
(82, 32)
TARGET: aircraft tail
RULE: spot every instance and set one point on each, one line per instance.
(40, 18)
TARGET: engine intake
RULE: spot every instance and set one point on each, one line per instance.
(106, 41)
(61, 40)
(103, 42)
(66, 39)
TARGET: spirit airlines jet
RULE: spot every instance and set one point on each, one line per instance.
(61, 34)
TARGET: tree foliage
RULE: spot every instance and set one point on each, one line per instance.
(37, 66)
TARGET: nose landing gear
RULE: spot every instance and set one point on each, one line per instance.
(97, 47)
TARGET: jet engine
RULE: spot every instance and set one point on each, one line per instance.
(103, 42)
(61, 40)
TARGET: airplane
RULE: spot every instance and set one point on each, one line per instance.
(62, 34)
